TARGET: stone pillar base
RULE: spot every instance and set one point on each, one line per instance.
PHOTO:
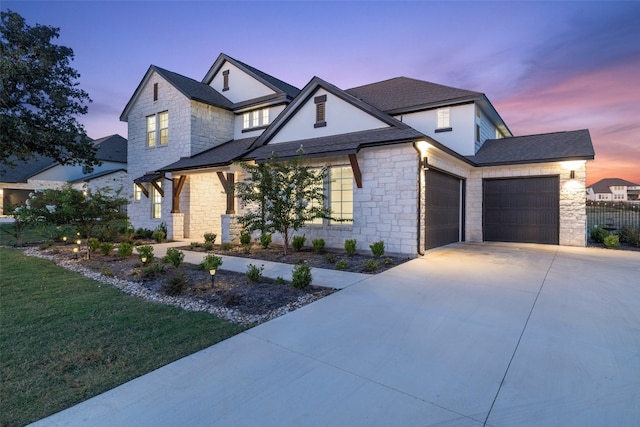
(231, 229)
(177, 227)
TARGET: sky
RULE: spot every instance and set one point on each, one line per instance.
(545, 66)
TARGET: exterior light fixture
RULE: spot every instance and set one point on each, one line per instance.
(64, 239)
(75, 252)
(144, 260)
(572, 174)
(212, 272)
(78, 242)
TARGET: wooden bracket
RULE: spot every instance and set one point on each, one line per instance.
(143, 189)
(176, 188)
(357, 175)
(228, 183)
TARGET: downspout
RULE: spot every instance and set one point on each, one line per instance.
(419, 207)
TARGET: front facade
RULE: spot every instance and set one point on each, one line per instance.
(414, 164)
(613, 190)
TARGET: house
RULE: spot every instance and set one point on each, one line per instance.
(613, 190)
(43, 172)
(412, 163)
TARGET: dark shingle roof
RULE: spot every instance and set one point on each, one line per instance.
(97, 175)
(548, 147)
(194, 89)
(111, 148)
(25, 170)
(220, 155)
(335, 144)
(406, 94)
(604, 185)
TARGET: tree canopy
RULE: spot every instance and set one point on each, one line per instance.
(39, 97)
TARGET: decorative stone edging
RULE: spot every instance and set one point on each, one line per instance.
(136, 289)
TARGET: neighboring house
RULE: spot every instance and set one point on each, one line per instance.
(613, 190)
(415, 164)
(43, 172)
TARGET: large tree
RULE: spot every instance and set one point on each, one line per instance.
(39, 97)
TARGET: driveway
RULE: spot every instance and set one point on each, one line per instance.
(469, 335)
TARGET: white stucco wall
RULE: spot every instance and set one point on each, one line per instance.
(274, 111)
(242, 86)
(341, 118)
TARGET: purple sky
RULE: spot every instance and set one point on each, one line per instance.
(545, 66)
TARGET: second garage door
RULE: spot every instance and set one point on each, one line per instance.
(443, 209)
(521, 210)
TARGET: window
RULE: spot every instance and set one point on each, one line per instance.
(313, 204)
(156, 201)
(161, 119)
(225, 78)
(320, 102)
(137, 192)
(341, 192)
(444, 118)
(255, 119)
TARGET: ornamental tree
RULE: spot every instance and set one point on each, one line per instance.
(281, 196)
(86, 210)
(39, 97)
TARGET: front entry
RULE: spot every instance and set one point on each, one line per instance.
(444, 198)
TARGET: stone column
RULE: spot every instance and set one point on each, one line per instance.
(177, 227)
(231, 229)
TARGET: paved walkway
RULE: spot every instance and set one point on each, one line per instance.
(321, 276)
(469, 335)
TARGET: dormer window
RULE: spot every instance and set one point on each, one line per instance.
(444, 122)
(255, 119)
(320, 102)
(225, 80)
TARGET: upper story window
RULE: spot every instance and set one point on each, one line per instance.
(225, 80)
(444, 121)
(158, 129)
(255, 119)
(320, 102)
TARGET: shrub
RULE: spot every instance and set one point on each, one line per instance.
(254, 274)
(612, 241)
(145, 251)
(370, 265)
(342, 265)
(265, 240)
(318, 245)
(630, 235)
(301, 276)
(152, 271)
(298, 242)
(174, 257)
(176, 284)
(143, 233)
(330, 258)
(195, 245)
(159, 236)
(350, 246)
(598, 234)
(106, 248)
(211, 262)
(94, 244)
(387, 261)
(125, 249)
(245, 239)
(208, 246)
(226, 246)
(210, 238)
(280, 281)
(377, 249)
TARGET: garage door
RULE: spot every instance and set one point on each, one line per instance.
(521, 210)
(443, 209)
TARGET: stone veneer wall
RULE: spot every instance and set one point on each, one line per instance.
(193, 127)
(203, 201)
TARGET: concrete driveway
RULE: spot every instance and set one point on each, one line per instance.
(469, 335)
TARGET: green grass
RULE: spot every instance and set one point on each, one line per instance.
(65, 338)
(31, 234)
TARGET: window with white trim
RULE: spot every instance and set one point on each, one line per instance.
(137, 192)
(255, 119)
(156, 201)
(444, 115)
(158, 129)
(341, 192)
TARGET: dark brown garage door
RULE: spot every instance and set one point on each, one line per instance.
(443, 209)
(521, 210)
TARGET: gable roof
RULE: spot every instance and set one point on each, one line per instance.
(402, 94)
(112, 148)
(190, 88)
(275, 84)
(548, 147)
(97, 175)
(220, 155)
(604, 185)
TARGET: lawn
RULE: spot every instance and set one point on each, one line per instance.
(65, 338)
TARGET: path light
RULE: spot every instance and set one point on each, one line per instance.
(64, 239)
(78, 242)
(75, 252)
(144, 260)
(212, 272)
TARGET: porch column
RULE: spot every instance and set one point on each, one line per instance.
(228, 183)
(176, 188)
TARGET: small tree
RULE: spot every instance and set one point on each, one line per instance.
(281, 196)
(87, 211)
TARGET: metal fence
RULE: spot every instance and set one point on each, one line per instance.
(613, 215)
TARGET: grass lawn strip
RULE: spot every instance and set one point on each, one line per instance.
(66, 338)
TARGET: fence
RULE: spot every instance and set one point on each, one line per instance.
(613, 215)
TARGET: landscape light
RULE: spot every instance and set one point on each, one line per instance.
(212, 272)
